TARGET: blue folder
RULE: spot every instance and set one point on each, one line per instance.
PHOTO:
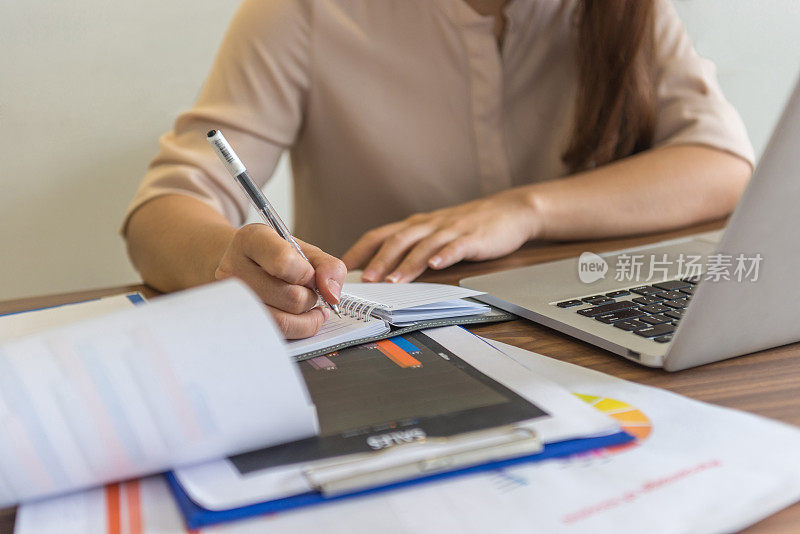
(198, 517)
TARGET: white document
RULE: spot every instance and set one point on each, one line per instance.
(701, 469)
(132, 507)
(219, 485)
(30, 322)
(189, 377)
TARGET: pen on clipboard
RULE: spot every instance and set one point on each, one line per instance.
(237, 169)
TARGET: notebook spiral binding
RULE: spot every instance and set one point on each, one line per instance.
(357, 308)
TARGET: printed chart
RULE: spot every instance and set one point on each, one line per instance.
(632, 420)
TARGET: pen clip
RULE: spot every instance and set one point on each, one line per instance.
(351, 474)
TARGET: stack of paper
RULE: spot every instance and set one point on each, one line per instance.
(221, 486)
(694, 468)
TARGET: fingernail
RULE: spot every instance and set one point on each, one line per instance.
(393, 278)
(435, 261)
(335, 288)
(325, 312)
(369, 276)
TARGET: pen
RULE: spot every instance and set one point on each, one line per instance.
(237, 169)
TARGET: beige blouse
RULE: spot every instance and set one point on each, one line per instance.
(391, 107)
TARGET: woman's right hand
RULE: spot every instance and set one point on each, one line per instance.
(280, 276)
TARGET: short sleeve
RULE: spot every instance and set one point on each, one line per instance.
(255, 94)
(690, 106)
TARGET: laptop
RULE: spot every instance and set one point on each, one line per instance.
(685, 302)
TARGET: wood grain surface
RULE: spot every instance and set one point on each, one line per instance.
(766, 383)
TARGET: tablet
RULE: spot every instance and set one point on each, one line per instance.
(395, 391)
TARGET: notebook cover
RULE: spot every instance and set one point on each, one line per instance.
(198, 517)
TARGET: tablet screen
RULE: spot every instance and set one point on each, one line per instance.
(390, 392)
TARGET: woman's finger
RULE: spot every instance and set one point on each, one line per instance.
(330, 272)
(393, 250)
(274, 254)
(299, 326)
(290, 298)
(416, 261)
(455, 251)
(367, 245)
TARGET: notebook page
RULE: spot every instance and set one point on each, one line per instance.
(337, 330)
(183, 379)
(446, 305)
(400, 296)
(408, 317)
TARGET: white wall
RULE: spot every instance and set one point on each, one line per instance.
(87, 86)
(756, 46)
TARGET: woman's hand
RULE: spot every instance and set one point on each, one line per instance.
(282, 278)
(478, 230)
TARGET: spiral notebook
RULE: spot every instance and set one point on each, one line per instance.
(371, 312)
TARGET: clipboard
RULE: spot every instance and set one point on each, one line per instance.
(196, 516)
(491, 429)
(348, 474)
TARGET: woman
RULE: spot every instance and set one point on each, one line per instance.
(424, 132)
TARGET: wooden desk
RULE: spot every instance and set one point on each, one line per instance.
(766, 383)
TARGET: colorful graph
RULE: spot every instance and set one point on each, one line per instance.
(405, 344)
(631, 420)
(396, 349)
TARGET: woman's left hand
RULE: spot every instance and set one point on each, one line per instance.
(479, 230)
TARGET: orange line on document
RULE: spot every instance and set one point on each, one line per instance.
(112, 509)
(134, 507)
(397, 355)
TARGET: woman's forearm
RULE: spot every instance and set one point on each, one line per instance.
(656, 190)
(653, 191)
(177, 241)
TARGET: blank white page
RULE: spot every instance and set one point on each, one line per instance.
(401, 296)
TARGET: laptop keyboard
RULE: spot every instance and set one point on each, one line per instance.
(651, 311)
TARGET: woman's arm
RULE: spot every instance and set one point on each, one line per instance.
(177, 241)
(652, 191)
(179, 229)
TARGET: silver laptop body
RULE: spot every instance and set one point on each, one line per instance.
(755, 308)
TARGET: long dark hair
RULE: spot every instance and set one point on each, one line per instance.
(615, 111)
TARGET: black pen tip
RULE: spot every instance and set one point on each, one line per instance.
(211, 133)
